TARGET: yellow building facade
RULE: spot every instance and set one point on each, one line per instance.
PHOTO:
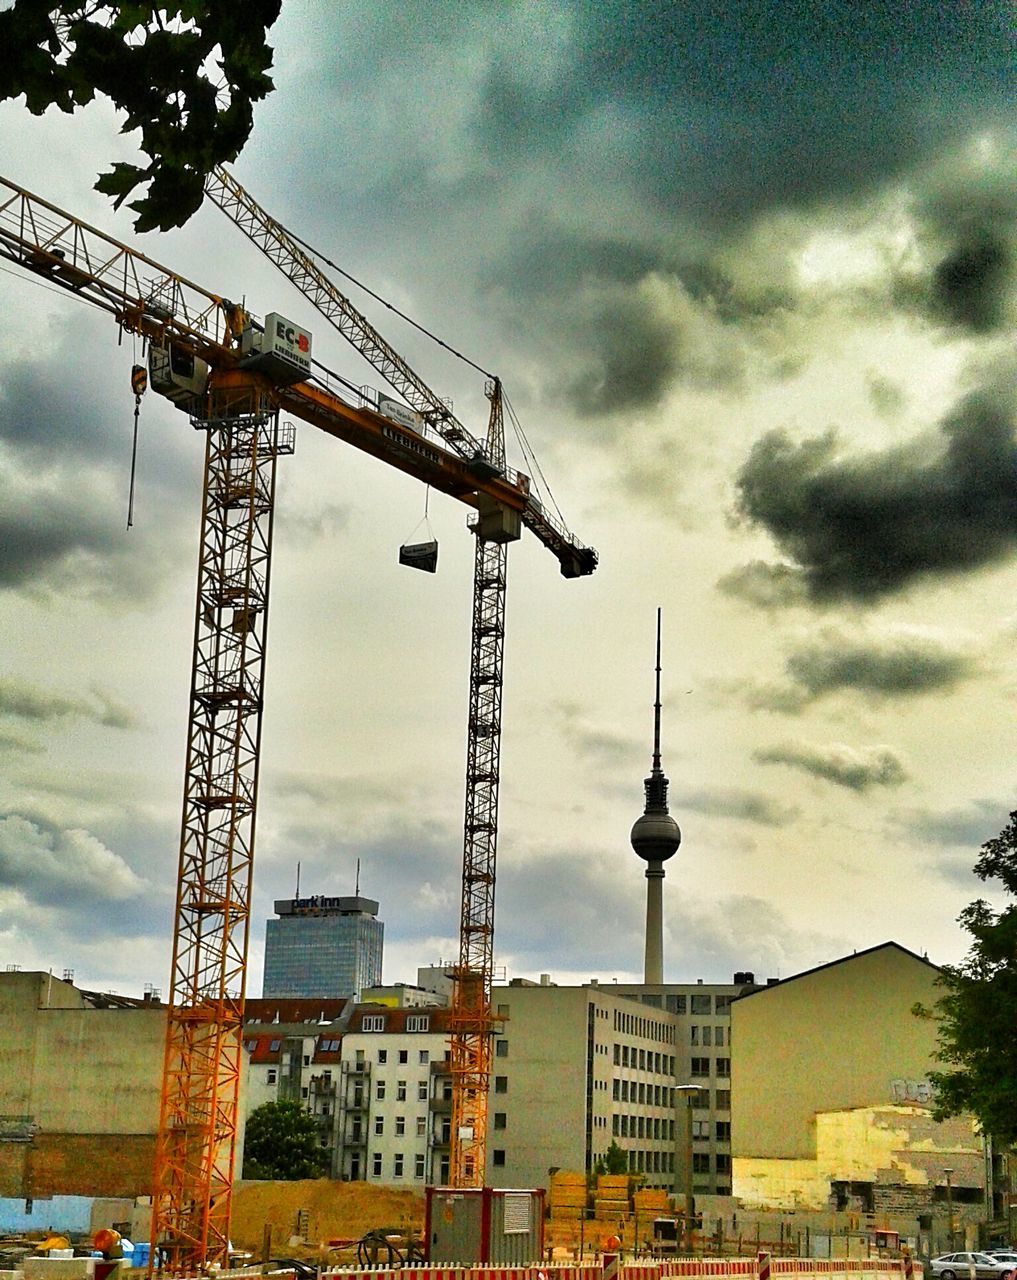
(831, 1102)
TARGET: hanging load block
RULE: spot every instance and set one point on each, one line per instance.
(419, 555)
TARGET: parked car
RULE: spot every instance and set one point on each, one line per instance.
(1007, 1255)
(960, 1266)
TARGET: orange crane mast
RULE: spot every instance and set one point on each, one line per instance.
(233, 378)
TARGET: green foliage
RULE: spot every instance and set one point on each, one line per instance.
(186, 75)
(614, 1160)
(978, 1013)
(282, 1142)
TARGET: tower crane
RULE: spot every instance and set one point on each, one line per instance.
(471, 1022)
(234, 378)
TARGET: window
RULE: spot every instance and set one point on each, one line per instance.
(271, 1075)
(382, 1056)
(503, 1011)
(275, 1046)
(501, 1084)
(423, 1057)
(421, 1126)
(700, 1067)
(694, 1035)
(723, 1099)
(707, 1037)
(718, 1037)
(404, 1057)
(379, 1125)
(723, 1162)
(615, 1127)
(642, 1059)
(723, 1066)
(421, 1090)
(418, 1022)
(397, 1164)
(400, 1126)
(723, 1133)
(498, 1158)
(304, 1091)
(702, 1004)
(376, 1164)
(723, 1003)
(400, 1091)
(675, 1004)
(617, 1055)
(700, 1128)
(501, 1048)
(418, 1166)
(381, 1090)
(701, 1162)
(616, 1089)
(499, 1119)
(373, 1022)
(307, 1059)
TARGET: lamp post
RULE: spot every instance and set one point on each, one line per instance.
(949, 1208)
(690, 1091)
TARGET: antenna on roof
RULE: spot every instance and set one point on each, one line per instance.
(356, 891)
(297, 894)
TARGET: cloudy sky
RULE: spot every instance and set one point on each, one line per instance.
(748, 275)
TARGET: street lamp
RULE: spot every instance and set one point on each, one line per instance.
(949, 1207)
(690, 1091)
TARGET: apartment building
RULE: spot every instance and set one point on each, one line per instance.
(393, 1097)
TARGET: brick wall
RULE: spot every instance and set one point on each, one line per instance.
(78, 1164)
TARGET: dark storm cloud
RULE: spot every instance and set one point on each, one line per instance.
(966, 213)
(865, 527)
(967, 827)
(28, 702)
(629, 142)
(904, 669)
(766, 586)
(734, 802)
(725, 113)
(971, 285)
(855, 770)
(58, 866)
(65, 531)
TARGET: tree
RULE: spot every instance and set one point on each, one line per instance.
(187, 76)
(282, 1142)
(614, 1160)
(977, 1017)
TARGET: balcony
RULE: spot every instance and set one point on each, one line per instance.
(440, 1106)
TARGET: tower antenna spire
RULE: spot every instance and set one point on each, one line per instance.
(656, 706)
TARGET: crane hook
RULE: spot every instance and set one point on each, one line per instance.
(139, 384)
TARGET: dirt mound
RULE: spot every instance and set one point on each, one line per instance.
(335, 1211)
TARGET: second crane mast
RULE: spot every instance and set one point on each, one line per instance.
(495, 526)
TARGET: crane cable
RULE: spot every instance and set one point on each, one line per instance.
(530, 456)
(384, 302)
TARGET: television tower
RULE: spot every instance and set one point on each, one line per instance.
(655, 838)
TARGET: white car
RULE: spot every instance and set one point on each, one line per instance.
(960, 1266)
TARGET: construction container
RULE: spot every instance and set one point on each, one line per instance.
(484, 1226)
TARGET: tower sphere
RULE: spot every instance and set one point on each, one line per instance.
(656, 837)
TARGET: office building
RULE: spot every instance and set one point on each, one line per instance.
(323, 947)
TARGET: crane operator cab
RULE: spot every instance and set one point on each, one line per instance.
(177, 374)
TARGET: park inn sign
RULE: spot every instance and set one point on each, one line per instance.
(912, 1091)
